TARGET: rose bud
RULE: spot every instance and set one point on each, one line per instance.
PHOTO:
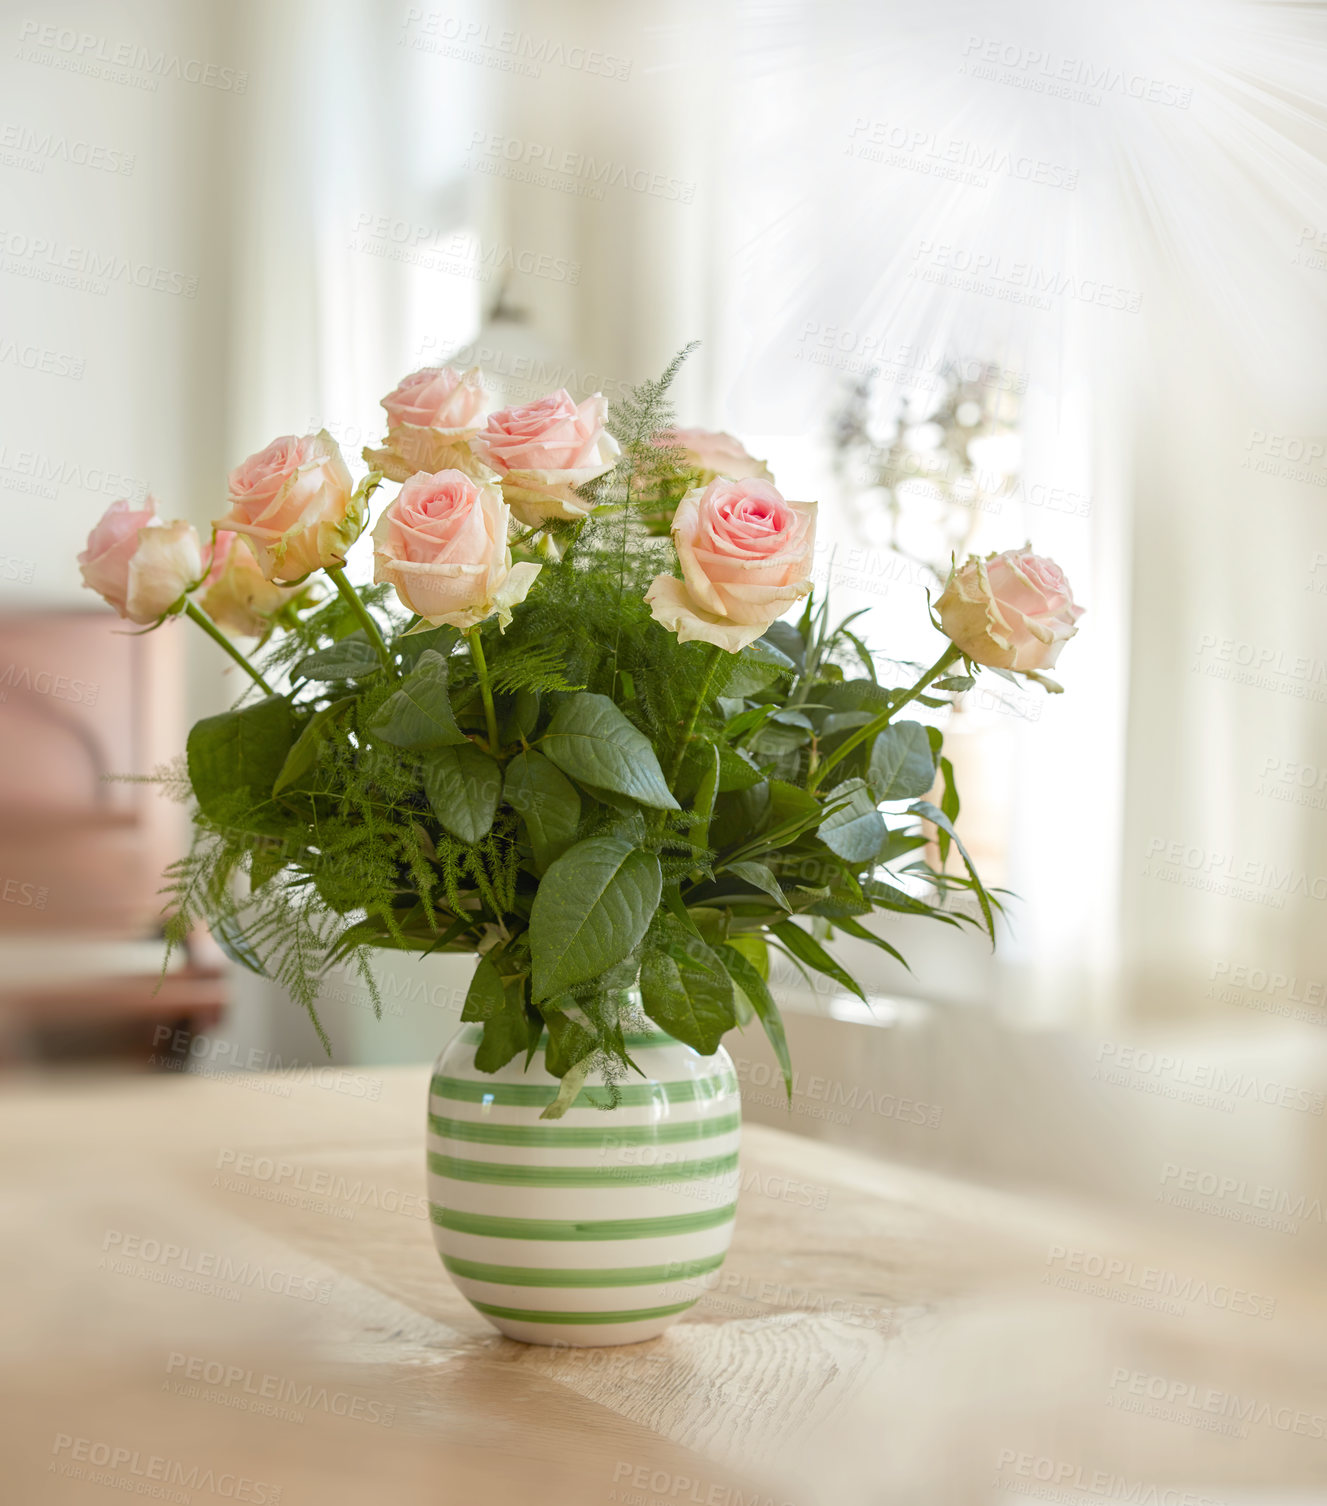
(543, 451)
(1011, 611)
(715, 454)
(140, 565)
(746, 557)
(443, 544)
(431, 415)
(295, 503)
(236, 595)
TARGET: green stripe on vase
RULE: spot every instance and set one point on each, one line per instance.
(581, 1137)
(635, 1040)
(508, 1174)
(497, 1226)
(539, 1315)
(538, 1095)
(582, 1276)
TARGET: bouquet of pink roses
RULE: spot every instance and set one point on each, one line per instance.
(600, 760)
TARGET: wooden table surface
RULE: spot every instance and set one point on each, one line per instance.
(225, 1290)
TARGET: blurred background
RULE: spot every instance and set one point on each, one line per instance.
(970, 276)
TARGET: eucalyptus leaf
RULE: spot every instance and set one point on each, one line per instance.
(760, 877)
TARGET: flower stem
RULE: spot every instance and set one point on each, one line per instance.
(196, 614)
(716, 655)
(879, 723)
(485, 689)
(351, 598)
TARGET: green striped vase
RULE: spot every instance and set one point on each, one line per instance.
(597, 1228)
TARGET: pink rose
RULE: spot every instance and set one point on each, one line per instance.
(443, 544)
(236, 594)
(432, 414)
(140, 565)
(295, 503)
(714, 454)
(1012, 611)
(543, 451)
(746, 558)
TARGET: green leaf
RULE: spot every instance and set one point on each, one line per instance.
(902, 764)
(523, 717)
(753, 986)
(500, 1003)
(419, 714)
(353, 658)
(752, 946)
(898, 844)
(949, 803)
(954, 682)
(759, 876)
(592, 908)
(463, 785)
(687, 990)
(807, 949)
(304, 755)
(786, 640)
(702, 804)
(547, 801)
(852, 927)
(234, 760)
(856, 830)
(590, 739)
(737, 771)
(937, 817)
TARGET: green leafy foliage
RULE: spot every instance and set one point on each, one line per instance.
(648, 812)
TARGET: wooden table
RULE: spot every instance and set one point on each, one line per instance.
(225, 1290)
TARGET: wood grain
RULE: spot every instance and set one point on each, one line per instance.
(878, 1334)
